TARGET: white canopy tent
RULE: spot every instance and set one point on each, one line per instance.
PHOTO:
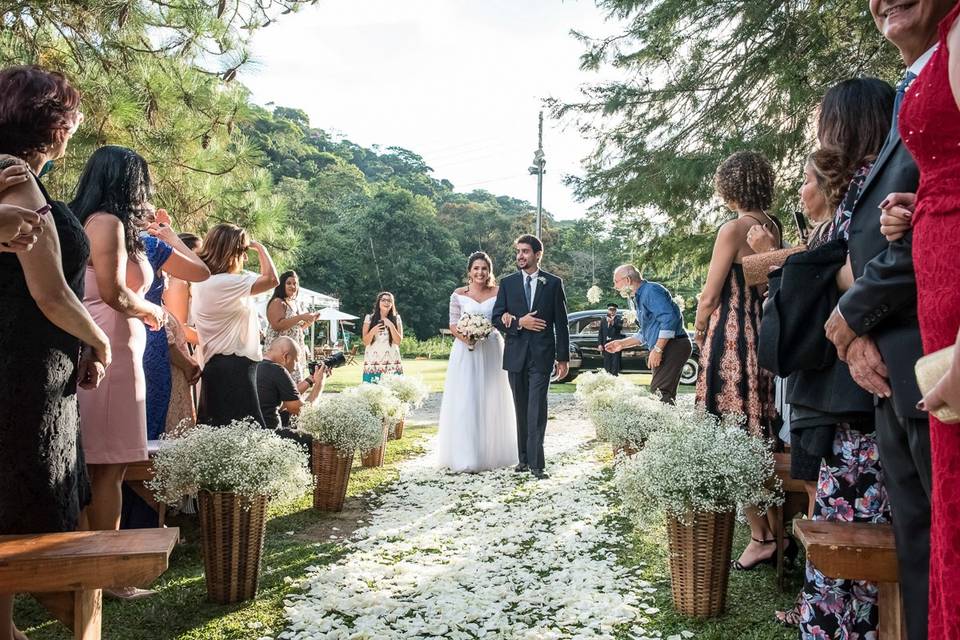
(310, 300)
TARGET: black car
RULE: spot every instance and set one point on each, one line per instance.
(585, 352)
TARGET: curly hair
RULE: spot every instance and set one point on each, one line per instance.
(38, 108)
(746, 180)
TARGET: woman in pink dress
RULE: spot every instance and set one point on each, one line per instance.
(112, 199)
(930, 127)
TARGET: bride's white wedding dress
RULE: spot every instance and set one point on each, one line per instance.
(478, 426)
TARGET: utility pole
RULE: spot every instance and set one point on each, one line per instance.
(536, 169)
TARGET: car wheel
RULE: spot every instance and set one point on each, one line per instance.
(690, 371)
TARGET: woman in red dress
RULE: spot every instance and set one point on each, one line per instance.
(930, 126)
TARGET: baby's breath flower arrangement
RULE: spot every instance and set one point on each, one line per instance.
(629, 316)
(589, 384)
(627, 417)
(698, 465)
(240, 458)
(380, 400)
(344, 421)
(410, 391)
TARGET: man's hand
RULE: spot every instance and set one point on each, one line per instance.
(562, 368)
(531, 322)
(839, 333)
(614, 346)
(655, 358)
(867, 367)
(896, 215)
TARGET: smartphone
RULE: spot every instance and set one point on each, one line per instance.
(801, 222)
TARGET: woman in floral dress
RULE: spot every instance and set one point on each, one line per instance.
(285, 319)
(382, 334)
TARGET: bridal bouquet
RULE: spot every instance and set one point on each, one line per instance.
(474, 327)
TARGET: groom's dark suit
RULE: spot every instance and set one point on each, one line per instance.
(528, 356)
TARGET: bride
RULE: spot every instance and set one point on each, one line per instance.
(478, 426)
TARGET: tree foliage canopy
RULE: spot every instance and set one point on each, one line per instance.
(702, 79)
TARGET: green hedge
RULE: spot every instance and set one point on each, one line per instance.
(434, 348)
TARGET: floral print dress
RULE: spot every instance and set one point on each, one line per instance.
(382, 356)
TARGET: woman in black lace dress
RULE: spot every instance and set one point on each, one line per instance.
(42, 326)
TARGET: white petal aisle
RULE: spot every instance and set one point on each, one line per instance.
(491, 555)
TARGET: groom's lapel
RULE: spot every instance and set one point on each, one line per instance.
(538, 293)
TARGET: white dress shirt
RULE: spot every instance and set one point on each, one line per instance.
(533, 284)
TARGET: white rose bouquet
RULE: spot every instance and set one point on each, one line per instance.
(475, 327)
(593, 294)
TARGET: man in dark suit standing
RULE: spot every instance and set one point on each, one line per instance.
(611, 328)
(875, 328)
(531, 310)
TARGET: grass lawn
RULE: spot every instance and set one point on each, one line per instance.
(297, 537)
(434, 372)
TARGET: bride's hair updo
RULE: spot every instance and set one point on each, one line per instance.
(480, 255)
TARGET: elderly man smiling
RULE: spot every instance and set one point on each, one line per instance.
(661, 329)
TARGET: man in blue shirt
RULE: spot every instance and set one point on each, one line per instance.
(661, 329)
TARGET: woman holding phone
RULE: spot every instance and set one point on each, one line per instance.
(382, 334)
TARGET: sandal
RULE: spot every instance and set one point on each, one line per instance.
(739, 566)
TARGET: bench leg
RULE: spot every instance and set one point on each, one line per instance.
(892, 624)
(81, 611)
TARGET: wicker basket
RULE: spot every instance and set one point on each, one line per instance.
(625, 449)
(374, 457)
(700, 563)
(331, 473)
(231, 541)
(398, 430)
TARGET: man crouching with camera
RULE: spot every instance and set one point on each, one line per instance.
(280, 398)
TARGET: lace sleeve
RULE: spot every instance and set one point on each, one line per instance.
(455, 310)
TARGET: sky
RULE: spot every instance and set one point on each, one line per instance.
(459, 82)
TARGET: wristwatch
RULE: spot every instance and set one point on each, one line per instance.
(657, 348)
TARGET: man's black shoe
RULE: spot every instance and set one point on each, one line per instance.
(520, 468)
(539, 474)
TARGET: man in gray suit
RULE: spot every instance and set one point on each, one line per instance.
(875, 328)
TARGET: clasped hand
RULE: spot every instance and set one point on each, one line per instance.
(530, 322)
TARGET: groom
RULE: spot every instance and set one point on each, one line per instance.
(531, 310)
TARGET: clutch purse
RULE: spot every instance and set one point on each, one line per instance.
(756, 267)
(930, 369)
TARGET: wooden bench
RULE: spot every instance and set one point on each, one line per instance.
(858, 551)
(796, 500)
(66, 572)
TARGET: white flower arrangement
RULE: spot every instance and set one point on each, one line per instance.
(629, 316)
(593, 294)
(410, 391)
(680, 302)
(696, 465)
(241, 458)
(381, 401)
(344, 421)
(475, 327)
(626, 291)
(589, 384)
(628, 417)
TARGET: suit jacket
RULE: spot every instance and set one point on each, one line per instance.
(883, 301)
(609, 333)
(536, 349)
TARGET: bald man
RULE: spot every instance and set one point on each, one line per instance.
(279, 396)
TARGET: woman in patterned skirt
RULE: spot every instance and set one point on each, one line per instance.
(728, 323)
(382, 334)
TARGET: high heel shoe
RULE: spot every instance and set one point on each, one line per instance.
(739, 566)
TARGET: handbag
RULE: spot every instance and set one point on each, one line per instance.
(756, 267)
(930, 369)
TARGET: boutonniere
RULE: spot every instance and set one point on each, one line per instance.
(542, 280)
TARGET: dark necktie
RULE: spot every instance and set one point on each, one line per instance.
(908, 77)
(528, 292)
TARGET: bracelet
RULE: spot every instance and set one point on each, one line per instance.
(700, 332)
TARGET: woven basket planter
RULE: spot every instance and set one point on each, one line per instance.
(700, 563)
(374, 457)
(397, 432)
(625, 449)
(231, 541)
(331, 473)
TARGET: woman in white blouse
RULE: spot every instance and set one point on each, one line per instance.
(228, 326)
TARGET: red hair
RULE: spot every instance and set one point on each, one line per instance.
(37, 109)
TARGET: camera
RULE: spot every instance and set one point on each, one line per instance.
(334, 360)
